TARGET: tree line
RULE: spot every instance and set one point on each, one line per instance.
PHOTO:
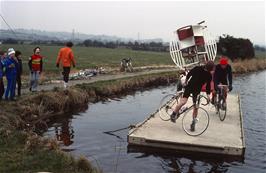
(236, 48)
(151, 46)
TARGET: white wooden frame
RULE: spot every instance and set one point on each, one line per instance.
(176, 54)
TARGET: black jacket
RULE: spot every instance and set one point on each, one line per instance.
(19, 67)
(197, 77)
(223, 76)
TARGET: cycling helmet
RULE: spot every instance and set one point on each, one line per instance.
(223, 61)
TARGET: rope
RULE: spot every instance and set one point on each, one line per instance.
(11, 29)
(9, 26)
(112, 131)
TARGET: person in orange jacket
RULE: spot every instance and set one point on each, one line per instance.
(66, 57)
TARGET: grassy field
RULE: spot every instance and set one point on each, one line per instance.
(260, 54)
(88, 57)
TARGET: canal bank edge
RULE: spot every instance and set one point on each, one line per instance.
(33, 111)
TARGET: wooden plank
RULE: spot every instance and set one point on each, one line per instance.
(225, 137)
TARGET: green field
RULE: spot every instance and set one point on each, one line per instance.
(88, 57)
(260, 54)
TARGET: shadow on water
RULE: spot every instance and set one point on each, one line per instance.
(82, 134)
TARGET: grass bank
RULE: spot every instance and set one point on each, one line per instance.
(246, 66)
(22, 150)
(25, 152)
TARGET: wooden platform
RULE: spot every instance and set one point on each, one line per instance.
(225, 137)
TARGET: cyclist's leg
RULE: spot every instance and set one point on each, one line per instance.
(181, 103)
(183, 100)
(225, 93)
(213, 96)
(224, 96)
(195, 109)
(219, 93)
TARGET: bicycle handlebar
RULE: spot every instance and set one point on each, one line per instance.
(179, 92)
(220, 85)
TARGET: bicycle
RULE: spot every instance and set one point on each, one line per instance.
(220, 101)
(168, 104)
(126, 65)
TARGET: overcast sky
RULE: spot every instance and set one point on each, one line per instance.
(150, 19)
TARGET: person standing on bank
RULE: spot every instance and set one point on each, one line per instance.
(19, 71)
(10, 63)
(35, 66)
(66, 57)
(2, 87)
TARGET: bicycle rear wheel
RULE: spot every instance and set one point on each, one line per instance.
(201, 125)
(222, 110)
(167, 106)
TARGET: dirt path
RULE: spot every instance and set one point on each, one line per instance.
(97, 78)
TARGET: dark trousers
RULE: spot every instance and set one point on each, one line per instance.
(11, 88)
(19, 84)
(2, 88)
(66, 71)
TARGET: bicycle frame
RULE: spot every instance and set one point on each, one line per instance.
(222, 92)
(195, 105)
(220, 101)
(168, 104)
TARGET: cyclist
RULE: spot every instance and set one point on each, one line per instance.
(126, 63)
(195, 79)
(222, 75)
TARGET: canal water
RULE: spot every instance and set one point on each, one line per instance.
(82, 134)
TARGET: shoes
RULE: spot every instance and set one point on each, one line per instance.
(174, 117)
(193, 124)
(10, 99)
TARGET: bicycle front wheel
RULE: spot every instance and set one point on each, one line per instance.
(201, 124)
(167, 106)
(222, 110)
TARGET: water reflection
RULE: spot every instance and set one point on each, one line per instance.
(64, 131)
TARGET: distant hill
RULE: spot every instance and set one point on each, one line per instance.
(33, 35)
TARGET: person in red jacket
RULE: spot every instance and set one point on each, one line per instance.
(66, 57)
(35, 66)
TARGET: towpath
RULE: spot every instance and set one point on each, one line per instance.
(101, 77)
